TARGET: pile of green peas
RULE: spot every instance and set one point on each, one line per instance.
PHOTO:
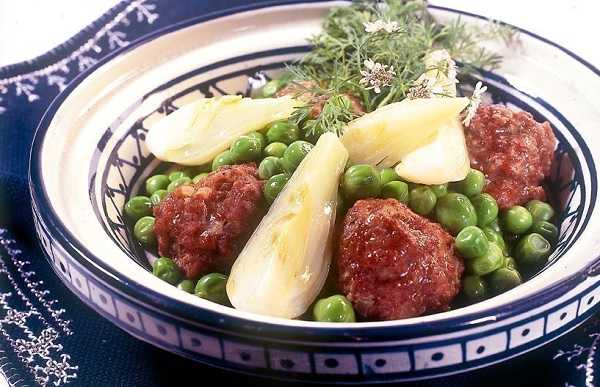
(278, 149)
(210, 286)
(485, 237)
(529, 237)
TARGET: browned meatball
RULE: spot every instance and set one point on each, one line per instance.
(394, 264)
(202, 226)
(301, 90)
(513, 151)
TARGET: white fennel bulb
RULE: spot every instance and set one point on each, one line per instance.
(384, 136)
(441, 161)
(200, 130)
(284, 265)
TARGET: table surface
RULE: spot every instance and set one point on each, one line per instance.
(25, 34)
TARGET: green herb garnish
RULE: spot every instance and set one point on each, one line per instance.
(375, 51)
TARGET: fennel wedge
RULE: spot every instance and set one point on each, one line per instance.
(386, 135)
(199, 131)
(445, 159)
(285, 263)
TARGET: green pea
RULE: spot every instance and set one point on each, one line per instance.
(177, 175)
(178, 183)
(212, 288)
(422, 200)
(532, 250)
(158, 196)
(334, 309)
(257, 136)
(165, 269)
(486, 208)
(224, 158)
(272, 87)
(294, 154)
(187, 286)
(138, 206)
(275, 149)
(270, 166)
(388, 174)
(143, 230)
(517, 220)
(471, 242)
(471, 185)
(504, 279)
(246, 149)
(156, 182)
(495, 237)
(273, 186)
(510, 263)
(545, 229)
(198, 178)
(439, 189)
(474, 287)
(540, 211)
(396, 190)
(488, 262)
(361, 181)
(283, 131)
(454, 211)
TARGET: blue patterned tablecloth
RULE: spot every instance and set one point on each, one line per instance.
(48, 337)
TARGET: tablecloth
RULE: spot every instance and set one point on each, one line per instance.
(48, 337)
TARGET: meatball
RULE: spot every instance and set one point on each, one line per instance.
(202, 226)
(513, 150)
(301, 90)
(393, 263)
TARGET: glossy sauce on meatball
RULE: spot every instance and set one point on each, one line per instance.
(203, 226)
(513, 151)
(393, 263)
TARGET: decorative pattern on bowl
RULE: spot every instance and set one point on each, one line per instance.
(94, 136)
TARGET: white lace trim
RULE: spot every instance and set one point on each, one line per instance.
(580, 352)
(38, 350)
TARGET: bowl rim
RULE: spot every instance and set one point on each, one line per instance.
(181, 310)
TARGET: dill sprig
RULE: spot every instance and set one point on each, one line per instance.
(335, 114)
(336, 64)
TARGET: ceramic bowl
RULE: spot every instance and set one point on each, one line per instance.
(89, 157)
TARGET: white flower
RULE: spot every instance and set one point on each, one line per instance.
(475, 102)
(380, 25)
(377, 75)
(420, 89)
(439, 78)
(443, 62)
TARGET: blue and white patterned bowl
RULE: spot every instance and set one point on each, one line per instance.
(89, 156)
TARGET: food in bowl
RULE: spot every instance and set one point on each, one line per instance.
(363, 155)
